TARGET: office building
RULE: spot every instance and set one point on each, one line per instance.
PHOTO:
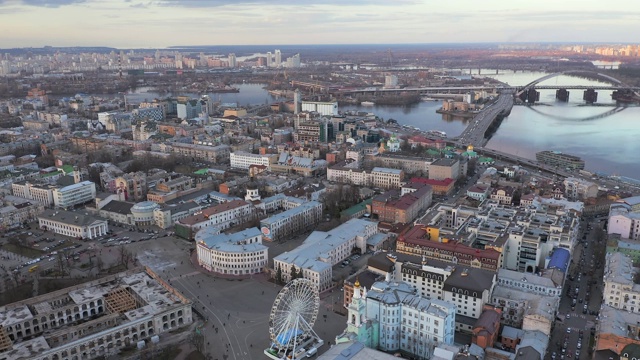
(76, 194)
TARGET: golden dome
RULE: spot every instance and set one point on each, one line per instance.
(357, 283)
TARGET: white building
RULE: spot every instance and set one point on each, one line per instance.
(624, 218)
(526, 305)
(322, 107)
(379, 177)
(392, 317)
(221, 216)
(41, 193)
(143, 213)
(390, 81)
(167, 215)
(242, 160)
(241, 253)
(94, 319)
(73, 224)
(322, 250)
(278, 58)
(75, 194)
(466, 287)
(620, 290)
(292, 221)
(580, 189)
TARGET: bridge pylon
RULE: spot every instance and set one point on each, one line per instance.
(562, 95)
(530, 95)
(590, 96)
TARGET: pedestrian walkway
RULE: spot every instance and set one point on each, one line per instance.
(185, 275)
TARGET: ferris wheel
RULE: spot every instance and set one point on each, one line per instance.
(293, 314)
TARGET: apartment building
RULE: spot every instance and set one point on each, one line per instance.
(409, 164)
(467, 287)
(165, 216)
(240, 253)
(620, 290)
(624, 218)
(419, 241)
(217, 154)
(15, 211)
(133, 185)
(402, 205)
(444, 169)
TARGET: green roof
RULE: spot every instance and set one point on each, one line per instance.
(485, 159)
(356, 208)
(67, 169)
(201, 172)
(51, 174)
(433, 152)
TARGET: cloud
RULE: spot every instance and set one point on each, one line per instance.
(51, 3)
(218, 3)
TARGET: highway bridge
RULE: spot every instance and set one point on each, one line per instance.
(475, 132)
(526, 92)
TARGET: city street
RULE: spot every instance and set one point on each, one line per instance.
(586, 268)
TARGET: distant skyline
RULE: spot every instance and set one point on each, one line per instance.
(163, 23)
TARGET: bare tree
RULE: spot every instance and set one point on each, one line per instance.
(197, 340)
(126, 256)
(61, 264)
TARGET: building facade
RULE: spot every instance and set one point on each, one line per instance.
(76, 194)
(72, 224)
(94, 319)
(241, 253)
(243, 160)
(292, 221)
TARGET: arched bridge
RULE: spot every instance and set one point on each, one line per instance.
(528, 93)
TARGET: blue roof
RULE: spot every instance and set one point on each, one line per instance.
(559, 260)
(286, 337)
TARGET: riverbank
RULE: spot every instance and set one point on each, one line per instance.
(459, 114)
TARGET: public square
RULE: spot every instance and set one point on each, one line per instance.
(236, 311)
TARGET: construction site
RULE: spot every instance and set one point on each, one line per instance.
(134, 309)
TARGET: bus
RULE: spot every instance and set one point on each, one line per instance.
(33, 268)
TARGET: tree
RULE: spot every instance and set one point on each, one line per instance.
(279, 275)
(197, 340)
(125, 255)
(294, 273)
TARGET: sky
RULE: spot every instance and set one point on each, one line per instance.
(163, 23)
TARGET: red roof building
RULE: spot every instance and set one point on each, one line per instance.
(416, 241)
